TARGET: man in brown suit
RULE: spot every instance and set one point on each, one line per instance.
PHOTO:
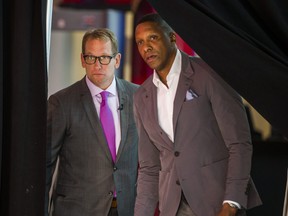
(194, 140)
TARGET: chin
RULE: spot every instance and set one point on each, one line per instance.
(151, 65)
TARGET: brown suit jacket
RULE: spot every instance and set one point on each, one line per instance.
(210, 158)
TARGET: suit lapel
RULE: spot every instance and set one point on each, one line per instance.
(149, 99)
(184, 84)
(124, 114)
(89, 108)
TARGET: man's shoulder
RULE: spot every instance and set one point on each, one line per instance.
(199, 61)
(69, 89)
(146, 85)
(126, 85)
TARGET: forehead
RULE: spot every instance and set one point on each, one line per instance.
(98, 45)
(99, 41)
(147, 28)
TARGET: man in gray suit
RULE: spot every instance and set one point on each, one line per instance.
(194, 139)
(89, 181)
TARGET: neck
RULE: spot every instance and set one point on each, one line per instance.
(164, 73)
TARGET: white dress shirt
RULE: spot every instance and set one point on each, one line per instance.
(113, 102)
(165, 96)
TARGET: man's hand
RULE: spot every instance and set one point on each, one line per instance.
(227, 210)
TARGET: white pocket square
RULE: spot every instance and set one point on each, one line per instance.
(190, 95)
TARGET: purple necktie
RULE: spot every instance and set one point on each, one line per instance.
(107, 122)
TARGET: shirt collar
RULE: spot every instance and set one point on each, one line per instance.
(95, 90)
(175, 70)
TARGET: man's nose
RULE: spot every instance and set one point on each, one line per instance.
(97, 63)
(147, 47)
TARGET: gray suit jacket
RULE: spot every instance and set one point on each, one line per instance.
(210, 158)
(87, 176)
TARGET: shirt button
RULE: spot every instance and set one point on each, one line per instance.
(176, 153)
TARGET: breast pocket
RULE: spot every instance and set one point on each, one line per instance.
(196, 112)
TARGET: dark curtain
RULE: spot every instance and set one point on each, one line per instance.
(141, 70)
(23, 107)
(245, 41)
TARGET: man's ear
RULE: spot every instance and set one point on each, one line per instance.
(82, 61)
(172, 37)
(118, 59)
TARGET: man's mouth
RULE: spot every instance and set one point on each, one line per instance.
(150, 58)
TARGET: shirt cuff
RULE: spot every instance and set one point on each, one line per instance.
(235, 203)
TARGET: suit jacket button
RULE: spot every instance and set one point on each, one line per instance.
(114, 168)
(176, 153)
(178, 182)
(110, 193)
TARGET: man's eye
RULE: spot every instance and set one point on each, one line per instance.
(153, 37)
(139, 43)
(104, 57)
(90, 57)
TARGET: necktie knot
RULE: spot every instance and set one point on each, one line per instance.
(104, 96)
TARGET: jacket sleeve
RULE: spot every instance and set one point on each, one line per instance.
(231, 117)
(55, 133)
(148, 174)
